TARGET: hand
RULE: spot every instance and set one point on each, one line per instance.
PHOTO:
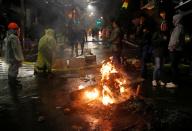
(144, 30)
(172, 48)
(165, 37)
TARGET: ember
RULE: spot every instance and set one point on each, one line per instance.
(113, 87)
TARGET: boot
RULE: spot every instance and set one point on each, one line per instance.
(76, 52)
(13, 82)
(18, 84)
(81, 52)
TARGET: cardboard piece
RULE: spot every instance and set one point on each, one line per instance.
(77, 62)
(59, 64)
(90, 59)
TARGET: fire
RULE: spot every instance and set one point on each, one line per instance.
(81, 87)
(107, 69)
(122, 90)
(107, 100)
(92, 95)
(114, 85)
(107, 96)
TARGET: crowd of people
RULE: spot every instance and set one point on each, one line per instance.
(161, 43)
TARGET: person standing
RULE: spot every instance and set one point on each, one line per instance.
(82, 36)
(46, 50)
(14, 54)
(159, 43)
(73, 31)
(163, 21)
(175, 48)
(144, 39)
(176, 42)
(73, 38)
(115, 41)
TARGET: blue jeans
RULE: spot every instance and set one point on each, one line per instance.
(157, 73)
(144, 60)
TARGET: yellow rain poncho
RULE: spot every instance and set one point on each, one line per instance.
(46, 50)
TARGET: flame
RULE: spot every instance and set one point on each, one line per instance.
(122, 90)
(81, 87)
(106, 70)
(106, 100)
(107, 96)
(92, 95)
(114, 85)
(121, 81)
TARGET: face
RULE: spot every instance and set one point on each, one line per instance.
(136, 21)
(142, 19)
(163, 14)
(114, 24)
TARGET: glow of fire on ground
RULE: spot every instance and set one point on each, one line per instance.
(107, 96)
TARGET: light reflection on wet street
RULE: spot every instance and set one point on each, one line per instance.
(27, 69)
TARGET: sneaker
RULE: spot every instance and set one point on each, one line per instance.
(171, 85)
(161, 83)
(154, 83)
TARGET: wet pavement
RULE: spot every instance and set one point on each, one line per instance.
(48, 104)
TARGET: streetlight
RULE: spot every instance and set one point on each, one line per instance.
(90, 7)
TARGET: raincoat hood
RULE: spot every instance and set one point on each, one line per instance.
(176, 19)
(50, 32)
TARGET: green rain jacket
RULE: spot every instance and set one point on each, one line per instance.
(46, 49)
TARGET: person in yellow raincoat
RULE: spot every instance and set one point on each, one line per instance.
(46, 50)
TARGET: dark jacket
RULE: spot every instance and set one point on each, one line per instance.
(115, 39)
(159, 43)
(72, 32)
(145, 44)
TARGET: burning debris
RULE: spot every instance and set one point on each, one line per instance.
(113, 86)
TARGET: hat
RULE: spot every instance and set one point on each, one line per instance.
(13, 26)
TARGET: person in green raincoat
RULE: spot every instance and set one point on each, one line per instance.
(46, 50)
